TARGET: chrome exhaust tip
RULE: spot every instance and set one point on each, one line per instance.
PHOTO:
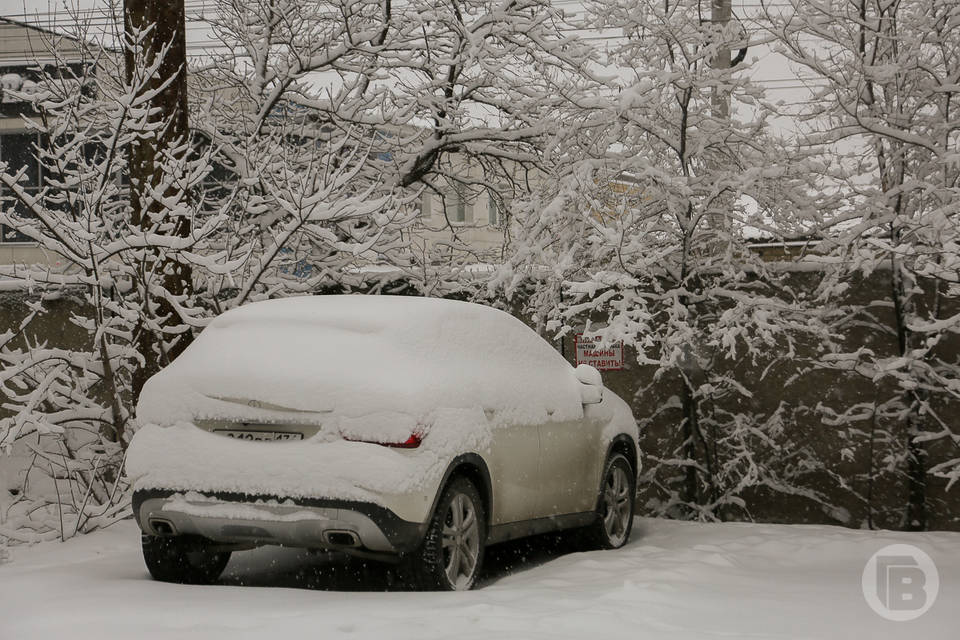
(340, 538)
(161, 527)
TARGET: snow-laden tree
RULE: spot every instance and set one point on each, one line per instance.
(71, 407)
(143, 279)
(887, 109)
(639, 236)
(460, 94)
(315, 127)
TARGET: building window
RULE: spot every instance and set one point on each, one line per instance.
(216, 187)
(494, 209)
(18, 151)
(425, 206)
(456, 202)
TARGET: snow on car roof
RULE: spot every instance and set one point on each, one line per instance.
(354, 355)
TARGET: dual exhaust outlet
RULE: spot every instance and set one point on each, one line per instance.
(337, 538)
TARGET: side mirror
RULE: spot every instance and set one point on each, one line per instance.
(588, 375)
(591, 384)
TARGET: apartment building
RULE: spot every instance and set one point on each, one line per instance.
(24, 50)
(457, 216)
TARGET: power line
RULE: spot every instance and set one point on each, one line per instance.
(99, 17)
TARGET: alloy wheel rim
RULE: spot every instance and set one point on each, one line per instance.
(616, 500)
(460, 541)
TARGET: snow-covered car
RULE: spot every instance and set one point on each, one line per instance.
(404, 429)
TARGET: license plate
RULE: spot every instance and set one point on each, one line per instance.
(241, 434)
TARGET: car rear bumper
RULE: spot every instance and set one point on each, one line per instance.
(243, 519)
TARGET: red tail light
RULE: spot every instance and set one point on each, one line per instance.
(410, 443)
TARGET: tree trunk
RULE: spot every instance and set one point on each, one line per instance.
(915, 517)
(151, 158)
(690, 482)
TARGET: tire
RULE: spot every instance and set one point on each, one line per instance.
(615, 507)
(183, 559)
(451, 555)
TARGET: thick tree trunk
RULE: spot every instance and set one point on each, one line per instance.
(150, 158)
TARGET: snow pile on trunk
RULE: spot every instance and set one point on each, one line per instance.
(184, 458)
(357, 355)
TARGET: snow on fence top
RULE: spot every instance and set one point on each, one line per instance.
(357, 355)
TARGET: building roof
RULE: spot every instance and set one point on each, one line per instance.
(44, 30)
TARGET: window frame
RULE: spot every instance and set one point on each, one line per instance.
(457, 207)
(35, 189)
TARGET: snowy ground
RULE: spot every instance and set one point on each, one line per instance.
(676, 580)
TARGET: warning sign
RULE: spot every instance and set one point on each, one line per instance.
(589, 351)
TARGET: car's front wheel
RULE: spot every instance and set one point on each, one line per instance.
(183, 559)
(452, 551)
(615, 508)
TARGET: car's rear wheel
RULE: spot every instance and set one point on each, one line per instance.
(183, 559)
(615, 509)
(452, 551)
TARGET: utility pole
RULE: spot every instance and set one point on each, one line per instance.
(720, 13)
(150, 26)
